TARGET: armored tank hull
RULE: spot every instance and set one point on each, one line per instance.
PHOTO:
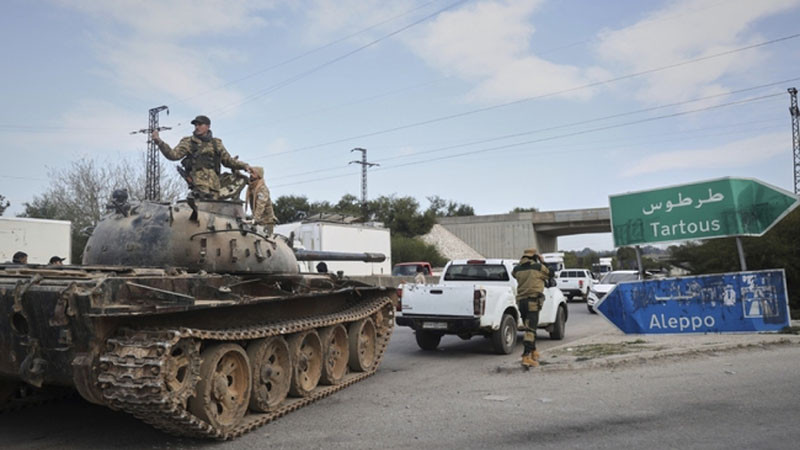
(190, 319)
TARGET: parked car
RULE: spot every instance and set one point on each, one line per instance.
(409, 269)
(575, 283)
(611, 279)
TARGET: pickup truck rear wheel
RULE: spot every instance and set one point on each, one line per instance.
(505, 338)
(559, 325)
(427, 340)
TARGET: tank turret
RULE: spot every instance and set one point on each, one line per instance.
(207, 235)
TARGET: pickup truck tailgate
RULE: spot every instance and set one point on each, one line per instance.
(438, 300)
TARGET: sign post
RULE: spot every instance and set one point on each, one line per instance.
(709, 209)
(734, 302)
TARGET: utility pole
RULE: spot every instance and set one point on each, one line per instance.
(364, 166)
(152, 189)
(795, 137)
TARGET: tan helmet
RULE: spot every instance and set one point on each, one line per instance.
(530, 252)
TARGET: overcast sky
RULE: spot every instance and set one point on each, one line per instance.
(497, 104)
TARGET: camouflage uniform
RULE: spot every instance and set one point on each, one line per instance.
(206, 153)
(530, 275)
(261, 204)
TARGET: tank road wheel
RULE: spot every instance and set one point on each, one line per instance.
(335, 354)
(305, 349)
(182, 369)
(223, 392)
(272, 372)
(363, 345)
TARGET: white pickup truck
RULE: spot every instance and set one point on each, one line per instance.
(575, 283)
(475, 297)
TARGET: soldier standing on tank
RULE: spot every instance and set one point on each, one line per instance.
(203, 154)
(531, 274)
(259, 201)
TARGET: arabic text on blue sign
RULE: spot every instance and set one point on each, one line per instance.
(733, 302)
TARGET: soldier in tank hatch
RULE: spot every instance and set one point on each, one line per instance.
(202, 155)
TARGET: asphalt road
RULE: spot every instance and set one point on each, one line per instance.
(456, 398)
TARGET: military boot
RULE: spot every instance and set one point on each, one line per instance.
(535, 355)
(528, 361)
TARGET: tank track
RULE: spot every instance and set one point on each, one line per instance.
(130, 370)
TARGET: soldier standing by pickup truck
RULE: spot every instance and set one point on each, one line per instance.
(531, 274)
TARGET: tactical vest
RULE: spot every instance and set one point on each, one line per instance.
(204, 160)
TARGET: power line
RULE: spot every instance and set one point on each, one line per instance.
(536, 97)
(584, 41)
(642, 24)
(795, 113)
(364, 166)
(350, 103)
(599, 119)
(549, 138)
(309, 52)
(319, 67)
(568, 125)
(616, 143)
(603, 128)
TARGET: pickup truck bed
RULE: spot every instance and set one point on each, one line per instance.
(474, 297)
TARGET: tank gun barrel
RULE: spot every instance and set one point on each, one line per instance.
(311, 255)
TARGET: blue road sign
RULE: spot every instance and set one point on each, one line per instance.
(732, 302)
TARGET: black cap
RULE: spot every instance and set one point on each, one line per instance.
(55, 259)
(201, 119)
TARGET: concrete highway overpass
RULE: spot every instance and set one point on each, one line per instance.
(507, 235)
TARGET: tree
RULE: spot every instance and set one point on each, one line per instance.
(408, 249)
(626, 258)
(3, 204)
(401, 215)
(518, 209)
(289, 207)
(349, 205)
(775, 250)
(440, 207)
(80, 193)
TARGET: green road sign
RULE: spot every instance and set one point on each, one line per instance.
(708, 209)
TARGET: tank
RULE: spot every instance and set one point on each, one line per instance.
(191, 319)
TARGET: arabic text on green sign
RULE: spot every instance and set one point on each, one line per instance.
(716, 208)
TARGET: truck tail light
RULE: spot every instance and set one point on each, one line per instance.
(399, 307)
(580, 284)
(479, 302)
